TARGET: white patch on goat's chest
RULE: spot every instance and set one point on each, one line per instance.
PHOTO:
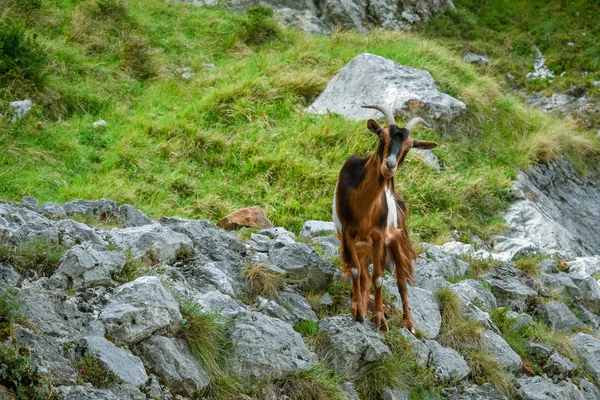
(334, 216)
(392, 217)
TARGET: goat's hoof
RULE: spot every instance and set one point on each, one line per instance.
(411, 327)
(360, 318)
(380, 323)
(357, 314)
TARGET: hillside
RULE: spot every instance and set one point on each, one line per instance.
(234, 134)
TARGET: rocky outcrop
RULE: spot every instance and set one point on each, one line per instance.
(370, 79)
(322, 16)
(448, 365)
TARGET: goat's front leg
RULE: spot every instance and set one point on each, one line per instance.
(401, 273)
(378, 259)
(352, 262)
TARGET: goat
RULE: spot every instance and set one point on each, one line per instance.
(370, 219)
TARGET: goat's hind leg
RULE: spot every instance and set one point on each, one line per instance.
(352, 263)
(378, 261)
(403, 274)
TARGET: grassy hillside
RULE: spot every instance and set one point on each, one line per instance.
(237, 135)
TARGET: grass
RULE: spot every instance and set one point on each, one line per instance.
(466, 337)
(237, 136)
(132, 269)
(19, 376)
(260, 281)
(9, 313)
(89, 369)
(42, 256)
(529, 263)
(477, 266)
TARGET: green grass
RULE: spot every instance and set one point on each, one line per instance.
(89, 369)
(238, 136)
(529, 263)
(42, 256)
(9, 313)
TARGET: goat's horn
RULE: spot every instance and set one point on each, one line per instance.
(414, 122)
(388, 115)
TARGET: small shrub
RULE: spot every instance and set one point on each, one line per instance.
(206, 335)
(131, 270)
(259, 26)
(89, 369)
(42, 256)
(479, 265)
(9, 313)
(262, 282)
(19, 376)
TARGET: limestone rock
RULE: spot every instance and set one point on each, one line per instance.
(265, 347)
(19, 109)
(87, 392)
(501, 351)
(509, 291)
(173, 361)
(349, 346)
(486, 391)
(102, 209)
(474, 291)
(537, 388)
(251, 217)
(558, 316)
(313, 228)
(53, 210)
(9, 278)
(448, 365)
(215, 301)
(371, 79)
(478, 59)
(139, 308)
(434, 266)
(73, 232)
(558, 365)
(131, 216)
(588, 348)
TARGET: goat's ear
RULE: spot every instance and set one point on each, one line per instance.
(373, 126)
(423, 145)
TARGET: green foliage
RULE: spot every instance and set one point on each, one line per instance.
(9, 313)
(529, 263)
(132, 269)
(41, 256)
(259, 26)
(307, 328)
(206, 335)
(19, 376)
(477, 266)
(137, 57)
(90, 369)
(260, 281)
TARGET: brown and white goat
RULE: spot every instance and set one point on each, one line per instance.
(370, 219)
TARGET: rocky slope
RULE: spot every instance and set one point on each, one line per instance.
(85, 309)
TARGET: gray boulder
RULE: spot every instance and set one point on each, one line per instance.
(217, 302)
(501, 351)
(558, 316)
(260, 243)
(424, 307)
(486, 391)
(585, 265)
(139, 308)
(275, 310)
(264, 347)
(559, 366)
(394, 394)
(371, 79)
(350, 347)
(538, 388)
(53, 210)
(47, 356)
(295, 303)
(475, 292)
(449, 367)
(131, 216)
(478, 59)
(19, 109)
(540, 70)
(126, 367)
(589, 391)
(73, 232)
(435, 265)
(9, 278)
(539, 350)
(330, 246)
(155, 243)
(19, 224)
(85, 266)
(590, 290)
(420, 349)
(103, 209)
(87, 392)
(587, 317)
(204, 276)
(519, 320)
(175, 364)
(588, 348)
(301, 264)
(562, 283)
(211, 241)
(548, 266)
(313, 228)
(509, 291)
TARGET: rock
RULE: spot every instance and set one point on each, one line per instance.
(9, 278)
(562, 283)
(371, 79)
(19, 224)
(264, 347)
(559, 366)
(590, 290)
(155, 243)
(173, 361)
(30, 201)
(558, 103)
(85, 266)
(131, 216)
(537, 388)
(587, 316)
(548, 266)
(349, 391)
(47, 356)
(275, 310)
(217, 302)
(434, 266)
(326, 300)
(312, 229)
(486, 391)
(419, 348)
(204, 276)
(478, 59)
(558, 316)
(297, 305)
(126, 367)
(260, 243)
(540, 70)
(139, 308)
(519, 320)
(350, 347)
(424, 307)
(103, 209)
(588, 348)
(539, 350)
(100, 124)
(302, 265)
(84, 393)
(251, 217)
(585, 265)
(209, 66)
(473, 291)
(448, 366)
(187, 73)
(53, 210)
(73, 232)
(330, 246)
(126, 391)
(509, 291)
(213, 242)
(394, 394)
(502, 352)
(589, 390)
(428, 157)
(19, 109)
(558, 212)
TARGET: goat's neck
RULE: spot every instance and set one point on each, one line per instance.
(374, 182)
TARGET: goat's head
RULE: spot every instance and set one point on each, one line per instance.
(395, 142)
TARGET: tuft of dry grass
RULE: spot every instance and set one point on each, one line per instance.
(484, 368)
(260, 281)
